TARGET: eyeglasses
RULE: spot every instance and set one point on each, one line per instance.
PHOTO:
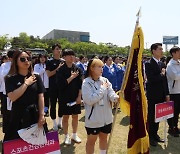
(23, 59)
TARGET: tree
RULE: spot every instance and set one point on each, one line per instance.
(23, 41)
(3, 41)
(167, 54)
(86, 48)
(65, 44)
(147, 53)
(39, 45)
(103, 49)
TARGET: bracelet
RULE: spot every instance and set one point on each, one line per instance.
(26, 84)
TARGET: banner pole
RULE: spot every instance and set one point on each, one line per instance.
(123, 83)
(165, 133)
(113, 124)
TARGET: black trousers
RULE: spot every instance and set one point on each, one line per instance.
(46, 98)
(173, 122)
(153, 127)
(53, 94)
(1, 99)
(6, 114)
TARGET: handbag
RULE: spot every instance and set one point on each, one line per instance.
(30, 116)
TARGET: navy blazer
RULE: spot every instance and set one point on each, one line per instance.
(156, 86)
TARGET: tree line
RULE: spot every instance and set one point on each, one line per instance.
(24, 41)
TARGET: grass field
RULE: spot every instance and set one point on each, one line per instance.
(119, 139)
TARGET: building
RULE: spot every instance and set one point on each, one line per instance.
(72, 36)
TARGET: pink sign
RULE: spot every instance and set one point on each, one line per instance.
(19, 146)
(164, 111)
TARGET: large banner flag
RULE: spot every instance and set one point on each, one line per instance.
(133, 100)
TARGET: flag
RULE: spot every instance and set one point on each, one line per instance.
(133, 100)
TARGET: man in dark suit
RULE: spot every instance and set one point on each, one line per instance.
(157, 89)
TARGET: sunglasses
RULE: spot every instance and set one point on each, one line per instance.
(23, 59)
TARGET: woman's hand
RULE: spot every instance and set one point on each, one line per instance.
(116, 101)
(167, 98)
(104, 84)
(29, 81)
(41, 121)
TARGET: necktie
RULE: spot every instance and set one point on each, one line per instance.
(159, 64)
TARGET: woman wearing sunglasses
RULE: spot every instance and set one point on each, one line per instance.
(97, 93)
(25, 90)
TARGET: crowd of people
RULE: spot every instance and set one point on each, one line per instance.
(31, 87)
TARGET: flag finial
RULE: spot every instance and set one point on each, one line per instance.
(138, 15)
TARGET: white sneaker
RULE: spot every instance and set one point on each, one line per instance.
(67, 140)
(76, 139)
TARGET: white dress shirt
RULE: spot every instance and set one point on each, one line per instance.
(5, 67)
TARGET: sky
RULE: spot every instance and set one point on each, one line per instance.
(106, 20)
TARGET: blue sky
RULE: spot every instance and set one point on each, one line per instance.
(106, 20)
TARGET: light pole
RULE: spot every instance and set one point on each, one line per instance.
(147, 45)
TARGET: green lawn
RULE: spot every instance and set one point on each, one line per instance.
(119, 139)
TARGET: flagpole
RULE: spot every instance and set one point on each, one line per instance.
(113, 124)
(123, 84)
(130, 55)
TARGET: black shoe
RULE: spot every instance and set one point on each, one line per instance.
(59, 126)
(158, 139)
(173, 132)
(176, 135)
(177, 130)
(153, 142)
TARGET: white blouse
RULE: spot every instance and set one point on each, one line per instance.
(41, 70)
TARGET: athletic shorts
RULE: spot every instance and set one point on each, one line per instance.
(95, 131)
(71, 110)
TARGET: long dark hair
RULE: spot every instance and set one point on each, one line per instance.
(40, 56)
(14, 67)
